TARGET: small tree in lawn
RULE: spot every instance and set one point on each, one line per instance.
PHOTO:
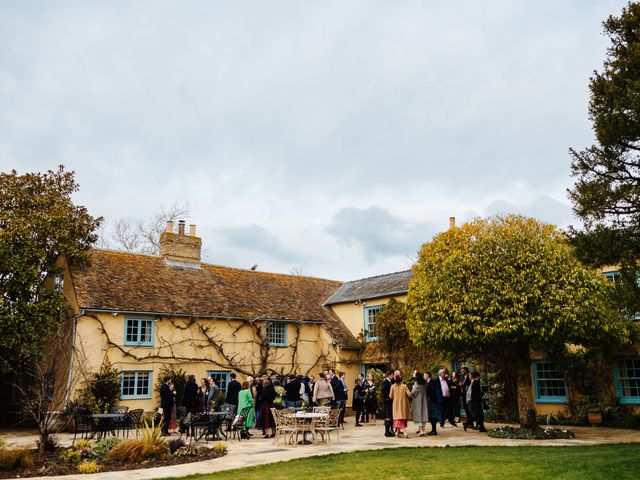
(500, 288)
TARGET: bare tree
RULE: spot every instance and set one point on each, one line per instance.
(139, 235)
(44, 388)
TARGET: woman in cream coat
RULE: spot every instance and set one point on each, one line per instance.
(400, 396)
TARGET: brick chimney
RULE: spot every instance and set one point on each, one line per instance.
(179, 247)
(452, 223)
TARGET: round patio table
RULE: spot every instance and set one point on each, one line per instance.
(307, 417)
(105, 422)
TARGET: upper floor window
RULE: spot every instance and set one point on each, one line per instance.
(613, 276)
(58, 282)
(277, 334)
(550, 385)
(135, 384)
(627, 374)
(138, 331)
(370, 315)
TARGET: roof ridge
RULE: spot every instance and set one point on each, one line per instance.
(216, 265)
(378, 276)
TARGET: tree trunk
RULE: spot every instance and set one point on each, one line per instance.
(526, 402)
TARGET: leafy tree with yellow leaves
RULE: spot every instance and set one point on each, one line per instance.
(501, 288)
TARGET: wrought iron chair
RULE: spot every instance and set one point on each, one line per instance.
(83, 423)
(238, 427)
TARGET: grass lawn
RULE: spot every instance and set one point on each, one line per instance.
(470, 463)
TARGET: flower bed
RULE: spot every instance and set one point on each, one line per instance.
(530, 433)
(111, 454)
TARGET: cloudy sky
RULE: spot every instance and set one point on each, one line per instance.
(331, 138)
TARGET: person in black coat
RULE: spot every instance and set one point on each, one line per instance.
(387, 404)
(190, 395)
(166, 403)
(359, 394)
(474, 399)
(292, 392)
(233, 388)
(434, 399)
(465, 381)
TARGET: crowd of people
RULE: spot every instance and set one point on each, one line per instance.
(429, 401)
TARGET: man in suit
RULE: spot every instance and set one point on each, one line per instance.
(446, 407)
(338, 391)
(292, 391)
(213, 394)
(474, 399)
(233, 389)
(387, 404)
(166, 403)
(464, 385)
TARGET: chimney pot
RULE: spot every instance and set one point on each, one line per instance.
(192, 230)
(452, 223)
(181, 227)
(169, 226)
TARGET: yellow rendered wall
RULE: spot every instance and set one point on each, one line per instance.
(352, 314)
(101, 336)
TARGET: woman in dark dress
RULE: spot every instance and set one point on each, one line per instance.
(358, 399)
(267, 396)
(371, 399)
(454, 389)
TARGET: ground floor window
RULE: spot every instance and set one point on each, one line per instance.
(221, 378)
(135, 384)
(550, 385)
(627, 374)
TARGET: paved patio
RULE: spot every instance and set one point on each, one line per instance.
(260, 451)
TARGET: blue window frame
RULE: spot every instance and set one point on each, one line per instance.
(277, 334)
(221, 377)
(627, 375)
(139, 331)
(550, 385)
(612, 276)
(370, 314)
(135, 384)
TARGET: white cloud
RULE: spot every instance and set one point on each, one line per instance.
(297, 118)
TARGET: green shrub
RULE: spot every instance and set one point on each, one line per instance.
(71, 456)
(624, 419)
(530, 433)
(13, 459)
(104, 446)
(190, 451)
(152, 431)
(102, 390)
(88, 466)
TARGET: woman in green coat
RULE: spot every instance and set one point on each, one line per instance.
(245, 399)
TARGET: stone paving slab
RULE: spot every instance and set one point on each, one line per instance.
(259, 451)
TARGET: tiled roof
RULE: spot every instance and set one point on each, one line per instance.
(372, 287)
(130, 282)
